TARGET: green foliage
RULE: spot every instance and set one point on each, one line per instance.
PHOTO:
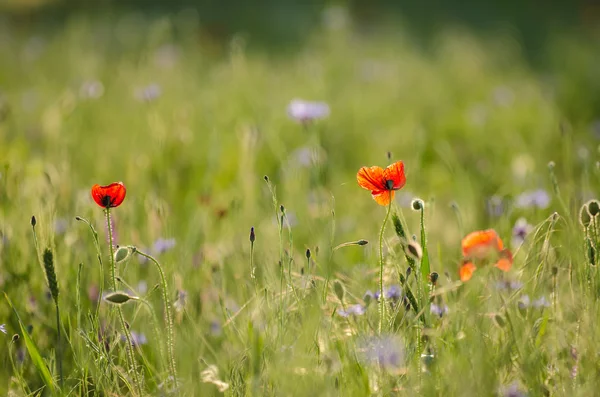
(191, 122)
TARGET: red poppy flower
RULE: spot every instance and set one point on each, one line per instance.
(109, 196)
(480, 245)
(382, 182)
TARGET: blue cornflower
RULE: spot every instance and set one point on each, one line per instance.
(353, 310)
(162, 245)
(533, 199)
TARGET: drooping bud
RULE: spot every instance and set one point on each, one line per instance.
(414, 250)
(266, 178)
(433, 277)
(417, 204)
(118, 298)
(593, 207)
(339, 290)
(585, 218)
(362, 242)
(123, 253)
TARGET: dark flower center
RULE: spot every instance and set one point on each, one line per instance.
(106, 201)
(389, 184)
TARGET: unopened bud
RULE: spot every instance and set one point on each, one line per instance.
(551, 165)
(118, 298)
(123, 253)
(339, 290)
(252, 235)
(414, 250)
(362, 242)
(593, 207)
(433, 277)
(308, 253)
(266, 178)
(33, 221)
(282, 209)
(417, 204)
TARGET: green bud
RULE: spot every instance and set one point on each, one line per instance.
(124, 253)
(499, 320)
(414, 250)
(585, 218)
(593, 207)
(417, 204)
(362, 242)
(118, 298)
(339, 290)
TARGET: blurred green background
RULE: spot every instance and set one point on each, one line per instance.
(185, 102)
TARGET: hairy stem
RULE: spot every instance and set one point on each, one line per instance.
(381, 293)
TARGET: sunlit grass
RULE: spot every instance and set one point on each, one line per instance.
(192, 126)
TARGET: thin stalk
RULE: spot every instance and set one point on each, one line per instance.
(59, 347)
(168, 318)
(99, 255)
(129, 347)
(381, 293)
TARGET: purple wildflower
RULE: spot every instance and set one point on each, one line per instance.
(148, 93)
(3, 328)
(306, 111)
(137, 339)
(353, 310)
(91, 89)
(521, 229)
(60, 225)
(509, 285)
(512, 390)
(540, 303)
(536, 199)
(385, 351)
(438, 310)
(495, 206)
(162, 245)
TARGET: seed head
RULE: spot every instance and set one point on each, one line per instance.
(48, 259)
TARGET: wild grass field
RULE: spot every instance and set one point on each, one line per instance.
(272, 253)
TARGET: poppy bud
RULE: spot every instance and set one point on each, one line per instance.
(308, 253)
(593, 207)
(33, 221)
(434, 277)
(118, 298)
(266, 178)
(389, 156)
(252, 235)
(551, 165)
(414, 250)
(585, 218)
(282, 209)
(339, 290)
(123, 253)
(362, 242)
(15, 338)
(417, 204)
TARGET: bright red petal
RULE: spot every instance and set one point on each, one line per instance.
(383, 197)
(395, 173)
(109, 196)
(478, 244)
(371, 178)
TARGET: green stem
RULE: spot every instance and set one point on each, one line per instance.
(58, 347)
(99, 255)
(129, 347)
(168, 319)
(381, 293)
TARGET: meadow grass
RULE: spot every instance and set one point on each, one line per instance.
(197, 130)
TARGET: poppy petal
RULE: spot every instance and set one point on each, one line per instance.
(466, 271)
(506, 260)
(371, 178)
(109, 196)
(383, 197)
(478, 244)
(395, 173)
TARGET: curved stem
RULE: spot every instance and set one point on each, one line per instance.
(381, 293)
(113, 272)
(168, 318)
